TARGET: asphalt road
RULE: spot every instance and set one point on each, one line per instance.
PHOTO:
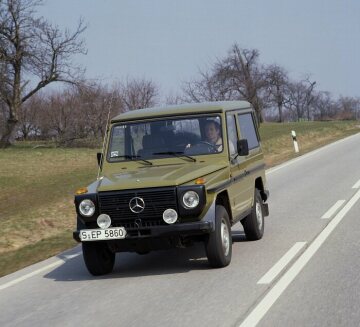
(304, 272)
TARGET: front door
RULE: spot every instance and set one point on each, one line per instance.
(238, 194)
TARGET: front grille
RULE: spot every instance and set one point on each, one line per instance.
(116, 205)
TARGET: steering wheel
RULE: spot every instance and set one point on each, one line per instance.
(213, 147)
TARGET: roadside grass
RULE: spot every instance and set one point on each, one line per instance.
(37, 185)
(16, 259)
(36, 201)
(278, 145)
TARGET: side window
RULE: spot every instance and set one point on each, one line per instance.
(231, 133)
(247, 130)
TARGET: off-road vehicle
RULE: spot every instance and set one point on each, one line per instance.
(171, 176)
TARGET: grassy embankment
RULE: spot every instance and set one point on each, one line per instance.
(37, 186)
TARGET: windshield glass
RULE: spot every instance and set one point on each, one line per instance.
(166, 138)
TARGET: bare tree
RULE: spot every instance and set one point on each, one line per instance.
(348, 108)
(309, 95)
(277, 81)
(300, 96)
(95, 102)
(324, 106)
(245, 75)
(59, 117)
(237, 76)
(209, 87)
(32, 49)
(28, 124)
(174, 99)
(138, 94)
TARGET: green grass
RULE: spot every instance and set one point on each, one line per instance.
(278, 145)
(16, 259)
(36, 192)
(37, 186)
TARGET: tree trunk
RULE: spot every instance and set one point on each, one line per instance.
(280, 112)
(6, 138)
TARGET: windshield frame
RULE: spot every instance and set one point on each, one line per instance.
(210, 115)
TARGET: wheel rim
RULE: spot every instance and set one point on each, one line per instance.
(225, 237)
(259, 217)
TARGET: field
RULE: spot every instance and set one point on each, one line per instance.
(277, 141)
(37, 185)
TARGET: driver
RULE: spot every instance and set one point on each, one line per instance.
(212, 135)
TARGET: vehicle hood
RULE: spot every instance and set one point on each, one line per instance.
(156, 176)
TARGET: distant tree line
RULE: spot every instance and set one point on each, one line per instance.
(79, 113)
(31, 50)
(273, 94)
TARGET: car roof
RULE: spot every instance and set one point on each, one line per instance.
(188, 108)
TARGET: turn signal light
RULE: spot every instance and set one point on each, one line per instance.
(81, 190)
(200, 181)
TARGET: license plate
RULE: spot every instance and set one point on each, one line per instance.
(102, 234)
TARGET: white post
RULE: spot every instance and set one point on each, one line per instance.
(296, 146)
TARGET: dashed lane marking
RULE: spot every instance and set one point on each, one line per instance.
(328, 214)
(281, 264)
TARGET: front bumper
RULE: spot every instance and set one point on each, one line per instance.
(186, 229)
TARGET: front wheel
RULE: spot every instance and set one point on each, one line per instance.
(218, 244)
(254, 223)
(99, 260)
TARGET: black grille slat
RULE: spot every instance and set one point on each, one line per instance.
(116, 205)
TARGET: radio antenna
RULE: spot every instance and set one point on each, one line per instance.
(106, 133)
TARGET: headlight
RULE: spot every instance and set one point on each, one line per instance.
(87, 208)
(190, 200)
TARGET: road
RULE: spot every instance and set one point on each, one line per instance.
(304, 272)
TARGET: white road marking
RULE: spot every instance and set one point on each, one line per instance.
(281, 264)
(328, 214)
(270, 298)
(357, 184)
(38, 271)
(71, 256)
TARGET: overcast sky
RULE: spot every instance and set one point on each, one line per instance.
(169, 40)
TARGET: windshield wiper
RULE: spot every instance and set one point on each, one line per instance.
(136, 158)
(177, 154)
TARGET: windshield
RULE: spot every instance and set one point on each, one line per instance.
(166, 138)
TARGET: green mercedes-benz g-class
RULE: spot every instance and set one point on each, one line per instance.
(170, 177)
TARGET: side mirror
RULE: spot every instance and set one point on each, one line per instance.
(243, 147)
(99, 157)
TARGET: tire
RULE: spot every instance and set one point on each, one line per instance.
(254, 223)
(218, 244)
(99, 260)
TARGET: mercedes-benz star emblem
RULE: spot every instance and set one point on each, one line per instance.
(137, 205)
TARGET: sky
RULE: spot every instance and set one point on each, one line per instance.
(168, 41)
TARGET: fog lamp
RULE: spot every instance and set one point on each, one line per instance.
(170, 216)
(103, 221)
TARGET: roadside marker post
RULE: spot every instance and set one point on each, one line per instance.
(296, 146)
